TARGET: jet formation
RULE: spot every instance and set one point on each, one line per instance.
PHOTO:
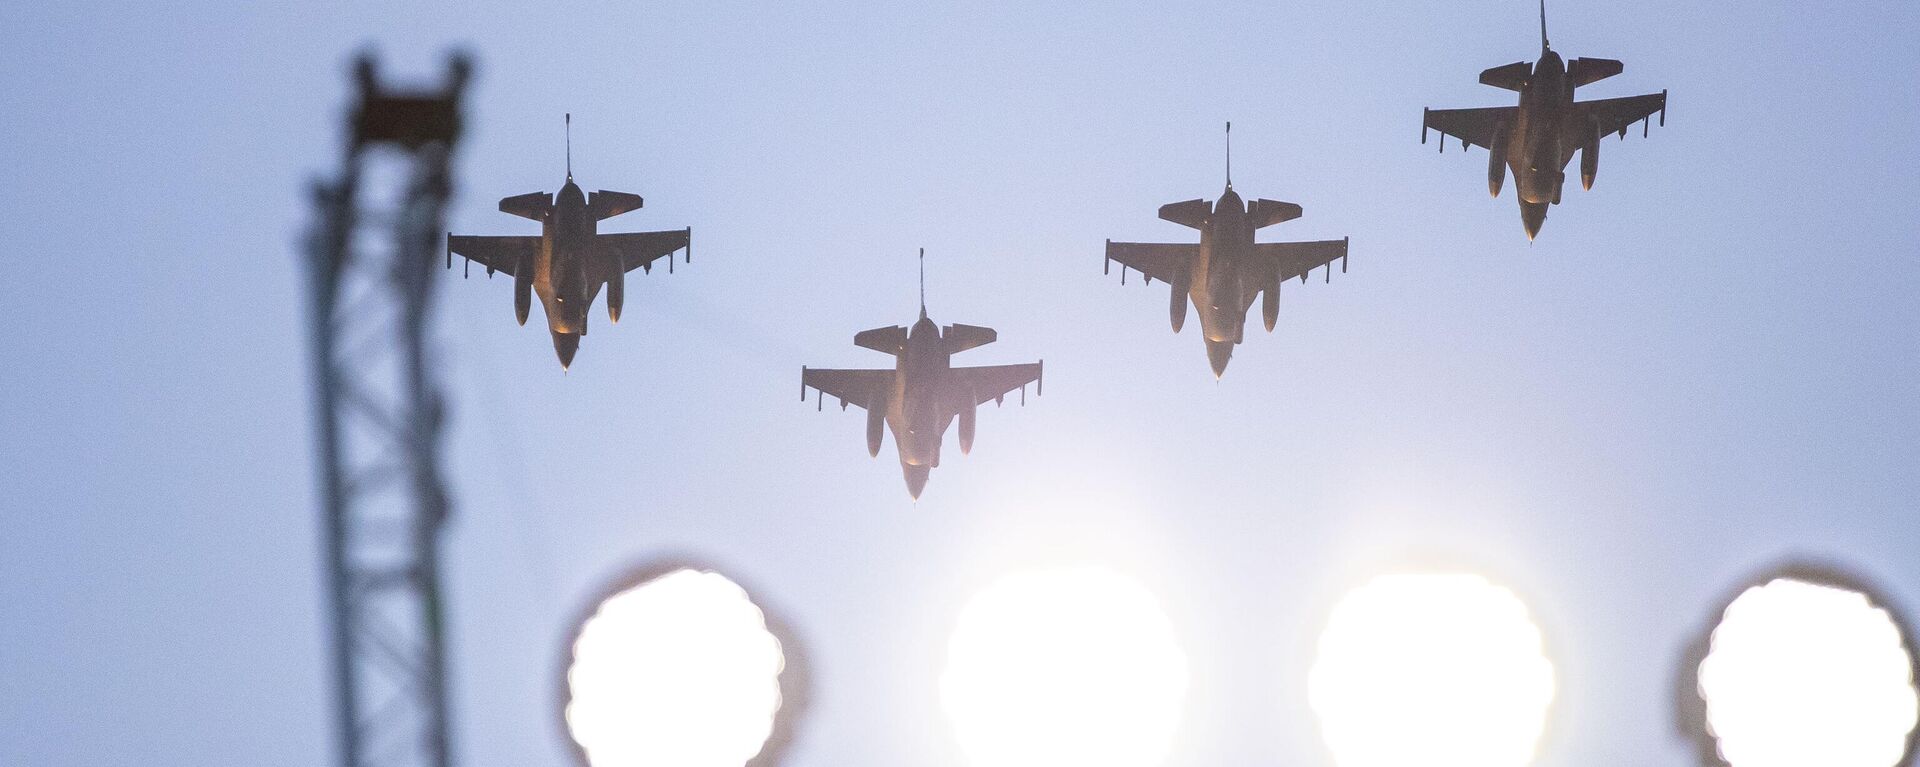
(1227, 270)
(1538, 138)
(571, 260)
(1220, 277)
(923, 393)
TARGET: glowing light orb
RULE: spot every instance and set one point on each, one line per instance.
(1799, 673)
(679, 671)
(1435, 670)
(1064, 667)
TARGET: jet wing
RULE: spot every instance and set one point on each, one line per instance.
(1282, 261)
(497, 254)
(1617, 115)
(1473, 126)
(852, 387)
(628, 251)
(993, 382)
(1158, 261)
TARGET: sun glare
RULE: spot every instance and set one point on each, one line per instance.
(679, 671)
(1064, 667)
(1440, 670)
(1799, 673)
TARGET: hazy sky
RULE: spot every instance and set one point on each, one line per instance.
(1705, 365)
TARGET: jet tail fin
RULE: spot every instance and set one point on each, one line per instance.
(1543, 26)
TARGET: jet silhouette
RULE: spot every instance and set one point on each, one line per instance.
(1225, 272)
(922, 394)
(570, 260)
(1549, 125)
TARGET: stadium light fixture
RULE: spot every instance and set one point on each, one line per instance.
(1441, 669)
(678, 667)
(1803, 667)
(1064, 667)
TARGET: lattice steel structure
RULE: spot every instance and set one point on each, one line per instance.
(372, 252)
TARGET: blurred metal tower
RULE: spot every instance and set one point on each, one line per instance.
(372, 250)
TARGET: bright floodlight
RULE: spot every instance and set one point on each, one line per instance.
(1064, 667)
(1799, 673)
(679, 671)
(1434, 670)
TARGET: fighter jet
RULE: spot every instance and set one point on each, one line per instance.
(1225, 272)
(922, 394)
(570, 260)
(1538, 138)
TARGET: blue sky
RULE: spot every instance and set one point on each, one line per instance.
(1704, 366)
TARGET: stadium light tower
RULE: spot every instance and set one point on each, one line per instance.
(678, 667)
(371, 254)
(1803, 667)
(1445, 670)
(1064, 667)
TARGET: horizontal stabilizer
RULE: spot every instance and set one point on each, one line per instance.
(605, 204)
(1589, 71)
(1193, 213)
(959, 338)
(534, 205)
(1265, 213)
(1512, 77)
(891, 340)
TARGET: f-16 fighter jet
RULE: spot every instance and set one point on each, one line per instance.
(1538, 138)
(923, 392)
(570, 260)
(1225, 272)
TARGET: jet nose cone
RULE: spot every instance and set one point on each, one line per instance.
(916, 478)
(565, 345)
(1218, 354)
(1533, 216)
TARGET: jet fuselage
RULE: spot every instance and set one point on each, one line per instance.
(564, 276)
(1215, 285)
(1534, 149)
(914, 412)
